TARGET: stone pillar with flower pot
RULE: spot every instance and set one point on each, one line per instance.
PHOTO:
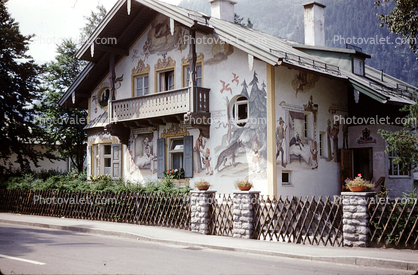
(356, 218)
(200, 211)
(243, 211)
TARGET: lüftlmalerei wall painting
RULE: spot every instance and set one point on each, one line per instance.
(242, 149)
(296, 132)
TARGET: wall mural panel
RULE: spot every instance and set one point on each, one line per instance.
(242, 149)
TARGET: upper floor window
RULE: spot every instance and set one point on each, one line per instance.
(141, 85)
(186, 75)
(140, 79)
(166, 81)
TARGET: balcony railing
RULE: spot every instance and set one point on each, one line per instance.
(174, 102)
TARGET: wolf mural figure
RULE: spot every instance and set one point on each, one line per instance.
(229, 152)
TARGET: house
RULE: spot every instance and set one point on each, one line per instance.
(170, 88)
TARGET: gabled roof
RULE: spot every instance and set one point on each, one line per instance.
(270, 49)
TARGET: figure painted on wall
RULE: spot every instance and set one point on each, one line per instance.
(314, 152)
(303, 82)
(197, 150)
(220, 52)
(230, 153)
(206, 161)
(235, 78)
(144, 157)
(256, 158)
(345, 134)
(280, 137)
(160, 40)
(334, 135)
(329, 128)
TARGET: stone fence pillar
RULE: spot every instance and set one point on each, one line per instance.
(200, 211)
(355, 218)
(243, 211)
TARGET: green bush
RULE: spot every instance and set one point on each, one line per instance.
(79, 182)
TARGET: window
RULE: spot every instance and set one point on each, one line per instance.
(103, 97)
(358, 66)
(141, 85)
(166, 81)
(106, 159)
(240, 110)
(396, 169)
(286, 178)
(186, 75)
(308, 126)
(175, 153)
(179, 154)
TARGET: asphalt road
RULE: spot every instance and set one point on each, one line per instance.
(30, 250)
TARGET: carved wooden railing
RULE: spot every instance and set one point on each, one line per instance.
(160, 104)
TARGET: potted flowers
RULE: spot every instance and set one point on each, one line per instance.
(358, 184)
(244, 184)
(202, 185)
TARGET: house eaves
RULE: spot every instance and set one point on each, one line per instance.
(265, 47)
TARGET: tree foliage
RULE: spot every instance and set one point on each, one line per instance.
(65, 126)
(238, 20)
(18, 91)
(404, 142)
(402, 20)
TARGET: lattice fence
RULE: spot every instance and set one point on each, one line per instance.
(171, 210)
(299, 220)
(394, 223)
(221, 211)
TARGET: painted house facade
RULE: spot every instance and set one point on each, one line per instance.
(181, 89)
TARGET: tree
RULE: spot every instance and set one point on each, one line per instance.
(238, 21)
(65, 126)
(402, 20)
(404, 142)
(18, 90)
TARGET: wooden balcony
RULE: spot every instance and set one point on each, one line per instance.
(159, 108)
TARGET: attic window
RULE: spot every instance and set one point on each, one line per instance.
(358, 66)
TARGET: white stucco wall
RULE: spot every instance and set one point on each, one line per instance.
(330, 99)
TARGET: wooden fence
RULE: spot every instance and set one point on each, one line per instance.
(171, 210)
(394, 223)
(299, 220)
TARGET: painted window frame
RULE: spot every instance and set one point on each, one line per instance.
(163, 154)
(164, 66)
(135, 80)
(140, 70)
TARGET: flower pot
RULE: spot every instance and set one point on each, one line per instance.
(357, 188)
(203, 187)
(244, 188)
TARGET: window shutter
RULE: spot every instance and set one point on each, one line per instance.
(160, 157)
(188, 156)
(116, 160)
(89, 160)
(101, 159)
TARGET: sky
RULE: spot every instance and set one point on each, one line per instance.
(51, 21)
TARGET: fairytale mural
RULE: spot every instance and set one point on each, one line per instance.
(242, 148)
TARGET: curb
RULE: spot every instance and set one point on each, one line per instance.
(349, 260)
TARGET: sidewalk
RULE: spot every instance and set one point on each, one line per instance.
(374, 257)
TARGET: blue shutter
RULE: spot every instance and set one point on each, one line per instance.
(116, 160)
(89, 161)
(188, 156)
(160, 157)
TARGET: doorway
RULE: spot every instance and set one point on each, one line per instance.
(356, 161)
